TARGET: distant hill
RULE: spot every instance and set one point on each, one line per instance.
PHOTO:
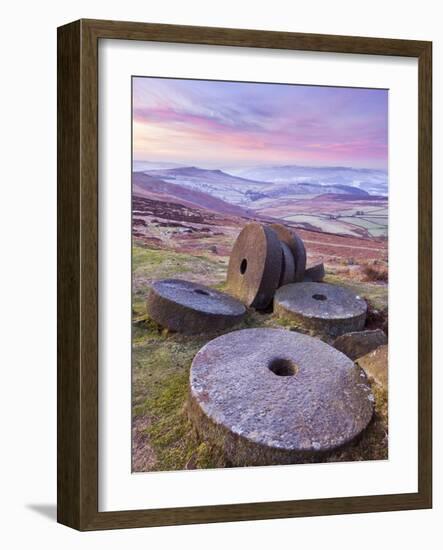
(281, 192)
(193, 172)
(145, 165)
(288, 190)
(146, 185)
(370, 180)
(231, 189)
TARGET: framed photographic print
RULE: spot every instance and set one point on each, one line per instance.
(244, 274)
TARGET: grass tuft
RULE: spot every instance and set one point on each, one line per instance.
(374, 272)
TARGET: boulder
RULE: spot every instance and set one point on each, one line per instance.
(357, 344)
(315, 274)
(375, 365)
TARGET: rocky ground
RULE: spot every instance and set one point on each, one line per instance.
(163, 438)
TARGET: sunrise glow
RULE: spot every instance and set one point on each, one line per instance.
(216, 124)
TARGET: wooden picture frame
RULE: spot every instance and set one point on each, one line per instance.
(78, 274)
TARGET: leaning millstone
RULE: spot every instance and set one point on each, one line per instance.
(271, 396)
(321, 308)
(357, 344)
(182, 306)
(315, 274)
(288, 266)
(294, 242)
(255, 266)
(375, 365)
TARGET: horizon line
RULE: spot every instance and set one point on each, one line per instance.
(225, 167)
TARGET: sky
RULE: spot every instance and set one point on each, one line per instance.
(216, 124)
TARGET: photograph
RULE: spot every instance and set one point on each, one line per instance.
(226, 230)
(259, 274)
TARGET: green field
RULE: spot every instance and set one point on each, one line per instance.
(346, 223)
(374, 226)
(367, 210)
(323, 223)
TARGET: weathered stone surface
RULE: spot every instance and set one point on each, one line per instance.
(291, 239)
(288, 266)
(321, 308)
(182, 306)
(357, 344)
(255, 266)
(271, 396)
(315, 274)
(375, 364)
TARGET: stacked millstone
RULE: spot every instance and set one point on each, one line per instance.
(268, 265)
(272, 396)
(263, 259)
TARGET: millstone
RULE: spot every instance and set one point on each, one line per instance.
(321, 307)
(293, 241)
(288, 266)
(315, 273)
(255, 266)
(271, 396)
(182, 306)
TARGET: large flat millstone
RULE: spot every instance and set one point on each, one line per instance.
(255, 266)
(321, 308)
(272, 396)
(182, 306)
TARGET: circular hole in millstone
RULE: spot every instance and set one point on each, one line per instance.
(243, 266)
(200, 291)
(320, 297)
(283, 367)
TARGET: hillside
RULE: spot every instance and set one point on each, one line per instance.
(228, 188)
(146, 185)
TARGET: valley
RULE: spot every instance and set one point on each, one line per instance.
(339, 201)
